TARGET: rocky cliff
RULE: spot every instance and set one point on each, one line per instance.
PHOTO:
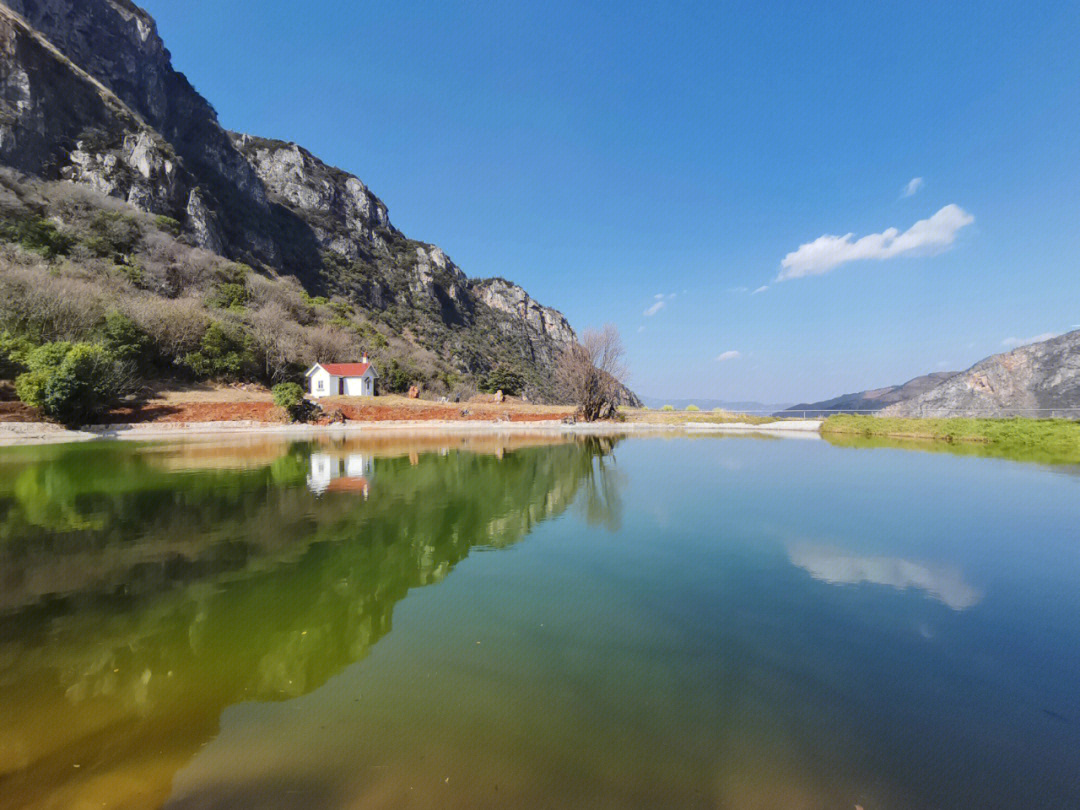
(1042, 379)
(88, 95)
(871, 400)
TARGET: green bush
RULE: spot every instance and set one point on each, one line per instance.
(504, 379)
(692, 408)
(13, 352)
(71, 383)
(290, 396)
(112, 233)
(168, 224)
(222, 354)
(229, 295)
(37, 234)
(126, 341)
(668, 408)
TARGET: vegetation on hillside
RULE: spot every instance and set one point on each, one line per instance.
(78, 269)
(1051, 441)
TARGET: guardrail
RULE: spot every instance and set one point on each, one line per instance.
(974, 413)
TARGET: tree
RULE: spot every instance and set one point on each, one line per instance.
(290, 396)
(505, 379)
(592, 373)
(72, 382)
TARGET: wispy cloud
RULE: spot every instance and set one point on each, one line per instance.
(640, 329)
(738, 289)
(827, 252)
(660, 300)
(1014, 341)
(729, 355)
(760, 289)
(914, 184)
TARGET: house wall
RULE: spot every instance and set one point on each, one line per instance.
(329, 384)
(360, 386)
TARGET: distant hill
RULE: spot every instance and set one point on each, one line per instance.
(1040, 379)
(739, 406)
(869, 401)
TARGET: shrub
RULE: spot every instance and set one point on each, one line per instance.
(692, 408)
(13, 352)
(504, 379)
(112, 233)
(71, 382)
(168, 224)
(668, 408)
(38, 234)
(229, 295)
(222, 354)
(290, 396)
(125, 340)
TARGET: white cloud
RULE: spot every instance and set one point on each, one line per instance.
(640, 329)
(1012, 341)
(926, 236)
(659, 305)
(729, 355)
(738, 289)
(914, 184)
(760, 289)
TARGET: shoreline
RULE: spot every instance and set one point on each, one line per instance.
(19, 434)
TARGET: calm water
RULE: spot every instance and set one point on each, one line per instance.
(733, 623)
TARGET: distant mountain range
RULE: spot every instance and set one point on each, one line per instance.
(1041, 379)
(875, 399)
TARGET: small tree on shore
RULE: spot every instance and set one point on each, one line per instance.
(592, 373)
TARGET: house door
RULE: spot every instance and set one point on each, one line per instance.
(341, 386)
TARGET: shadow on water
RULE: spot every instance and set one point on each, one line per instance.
(146, 589)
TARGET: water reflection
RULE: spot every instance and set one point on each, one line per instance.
(145, 590)
(837, 567)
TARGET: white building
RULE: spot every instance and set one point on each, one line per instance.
(342, 379)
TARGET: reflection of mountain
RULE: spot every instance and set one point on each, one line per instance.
(838, 567)
(139, 603)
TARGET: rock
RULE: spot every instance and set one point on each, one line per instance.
(499, 397)
(414, 392)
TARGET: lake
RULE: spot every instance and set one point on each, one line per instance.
(536, 622)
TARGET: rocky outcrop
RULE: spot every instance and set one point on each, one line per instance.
(1042, 379)
(504, 296)
(869, 401)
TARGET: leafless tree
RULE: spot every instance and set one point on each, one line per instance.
(592, 373)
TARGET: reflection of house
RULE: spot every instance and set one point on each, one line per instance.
(330, 473)
(342, 379)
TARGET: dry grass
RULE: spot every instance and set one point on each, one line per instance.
(643, 416)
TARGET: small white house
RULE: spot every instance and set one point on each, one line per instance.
(342, 379)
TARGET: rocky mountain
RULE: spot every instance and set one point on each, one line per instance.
(88, 95)
(1040, 379)
(869, 401)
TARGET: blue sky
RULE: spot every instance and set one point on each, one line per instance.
(604, 154)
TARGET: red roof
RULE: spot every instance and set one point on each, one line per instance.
(346, 369)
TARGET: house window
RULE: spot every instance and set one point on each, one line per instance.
(322, 384)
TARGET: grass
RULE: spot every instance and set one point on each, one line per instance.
(1051, 441)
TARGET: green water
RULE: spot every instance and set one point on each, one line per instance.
(467, 622)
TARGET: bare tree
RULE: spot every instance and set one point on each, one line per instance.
(592, 373)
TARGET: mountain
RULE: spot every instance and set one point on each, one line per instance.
(869, 401)
(1040, 379)
(88, 95)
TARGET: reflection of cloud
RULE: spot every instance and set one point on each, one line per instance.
(838, 567)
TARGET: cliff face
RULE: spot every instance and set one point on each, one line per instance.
(1042, 379)
(88, 94)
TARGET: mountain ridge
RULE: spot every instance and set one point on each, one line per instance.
(88, 95)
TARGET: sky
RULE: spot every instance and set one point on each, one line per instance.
(771, 201)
